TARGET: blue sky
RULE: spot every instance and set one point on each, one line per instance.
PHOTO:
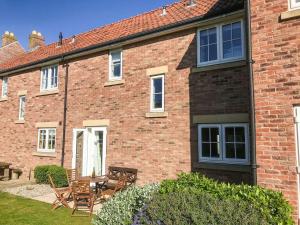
(68, 16)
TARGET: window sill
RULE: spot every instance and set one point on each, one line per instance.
(156, 115)
(52, 92)
(3, 99)
(114, 82)
(45, 154)
(219, 66)
(292, 14)
(20, 122)
(222, 166)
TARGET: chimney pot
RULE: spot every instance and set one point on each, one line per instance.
(36, 40)
(8, 38)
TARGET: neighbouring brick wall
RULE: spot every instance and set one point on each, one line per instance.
(158, 147)
(276, 54)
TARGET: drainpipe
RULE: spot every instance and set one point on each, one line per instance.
(66, 66)
(250, 63)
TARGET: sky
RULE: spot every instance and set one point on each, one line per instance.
(67, 16)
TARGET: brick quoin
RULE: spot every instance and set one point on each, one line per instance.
(276, 45)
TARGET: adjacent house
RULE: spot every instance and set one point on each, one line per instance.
(208, 86)
(10, 47)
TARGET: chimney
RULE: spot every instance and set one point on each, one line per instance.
(8, 38)
(36, 40)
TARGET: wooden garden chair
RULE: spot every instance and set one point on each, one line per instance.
(61, 194)
(121, 184)
(83, 196)
(72, 176)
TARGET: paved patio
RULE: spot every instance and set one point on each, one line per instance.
(39, 192)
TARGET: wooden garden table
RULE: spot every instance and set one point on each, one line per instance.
(98, 181)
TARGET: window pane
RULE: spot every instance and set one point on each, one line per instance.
(230, 152)
(54, 77)
(42, 139)
(227, 49)
(227, 32)
(204, 54)
(213, 52)
(236, 30)
(203, 38)
(214, 134)
(116, 56)
(229, 134)
(240, 151)
(157, 101)
(45, 79)
(239, 134)
(237, 47)
(117, 70)
(205, 134)
(157, 85)
(212, 36)
(205, 150)
(214, 150)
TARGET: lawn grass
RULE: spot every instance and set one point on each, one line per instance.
(16, 210)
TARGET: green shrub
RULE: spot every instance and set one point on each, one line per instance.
(120, 209)
(199, 209)
(272, 205)
(57, 173)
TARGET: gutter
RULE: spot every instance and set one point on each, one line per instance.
(250, 63)
(180, 26)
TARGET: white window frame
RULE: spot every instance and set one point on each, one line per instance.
(22, 104)
(48, 88)
(111, 76)
(152, 78)
(222, 142)
(220, 58)
(293, 5)
(4, 87)
(47, 140)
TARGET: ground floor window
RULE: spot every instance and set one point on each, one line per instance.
(46, 140)
(225, 143)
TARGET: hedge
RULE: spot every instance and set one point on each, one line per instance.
(57, 173)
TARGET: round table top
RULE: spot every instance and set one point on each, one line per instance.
(95, 179)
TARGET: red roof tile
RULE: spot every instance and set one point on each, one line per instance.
(147, 22)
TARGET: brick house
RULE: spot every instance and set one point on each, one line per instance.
(167, 91)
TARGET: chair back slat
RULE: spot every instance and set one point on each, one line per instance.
(71, 176)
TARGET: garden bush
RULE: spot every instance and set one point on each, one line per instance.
(121, 209)
(271, 204)
(57, 173)
(198, 209)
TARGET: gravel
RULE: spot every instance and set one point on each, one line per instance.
(30, 191)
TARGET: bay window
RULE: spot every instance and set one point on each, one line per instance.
(226, 143)
(220, 43)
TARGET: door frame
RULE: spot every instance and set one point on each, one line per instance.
(87, 145)
(297, 146)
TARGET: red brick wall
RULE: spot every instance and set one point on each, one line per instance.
(277, 81)
(159, 147)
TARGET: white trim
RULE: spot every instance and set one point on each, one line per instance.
(293, 5)
(222, 158)
(297, 148)
(4, 83)
(47, 139)
(152, 78)
(74, 149)
(49, 68)
(22, 105)
(220, 59)
(111, 77)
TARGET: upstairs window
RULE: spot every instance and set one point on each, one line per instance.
(47, 138)
(4, 87)
(225, 143)
(157, 94)
(115, 65)
(221, 43)
(49, 78)
(294, 4)
(22, 101)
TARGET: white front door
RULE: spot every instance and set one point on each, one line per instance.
(297, 140)
(89, 150)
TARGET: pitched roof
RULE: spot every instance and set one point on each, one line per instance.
(10, 51)
(147, 22)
